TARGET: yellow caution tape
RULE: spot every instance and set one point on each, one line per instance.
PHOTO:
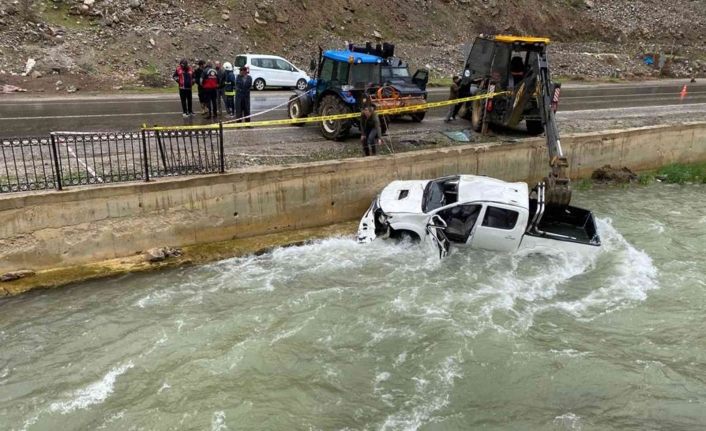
(288, 121)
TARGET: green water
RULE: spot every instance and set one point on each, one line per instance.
(339, 336)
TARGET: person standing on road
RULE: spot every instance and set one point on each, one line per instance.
(221, 98)
(371, 134)
(243, 84)
(229, 88)
(184, 76)
(209, 82)
(198, 74)
(453, 94)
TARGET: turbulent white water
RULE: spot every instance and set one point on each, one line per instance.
(335, 335)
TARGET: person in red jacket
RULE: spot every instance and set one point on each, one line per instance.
(210, 84)
(184, 76)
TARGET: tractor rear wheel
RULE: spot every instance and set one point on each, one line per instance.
(334, 129)
(534, 127)
(476, 115)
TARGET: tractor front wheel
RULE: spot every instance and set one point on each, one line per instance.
(418, 117)
(336, 130)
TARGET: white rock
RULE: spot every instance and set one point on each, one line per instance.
(29, 66)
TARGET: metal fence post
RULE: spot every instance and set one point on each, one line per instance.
(57, 165)
(220, 147)
(144, 155)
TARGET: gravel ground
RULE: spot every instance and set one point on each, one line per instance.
(286, 148)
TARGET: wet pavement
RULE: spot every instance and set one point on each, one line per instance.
(26, 116)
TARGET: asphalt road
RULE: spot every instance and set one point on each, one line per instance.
(27, 116)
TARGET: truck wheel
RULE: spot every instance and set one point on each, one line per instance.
(334, 129)
(476, 117)
(534, 127)
(295, 110)
(259, 84)
(418, 117)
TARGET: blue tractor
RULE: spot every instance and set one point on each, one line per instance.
(344, 80)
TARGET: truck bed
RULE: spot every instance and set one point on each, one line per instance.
(567, 224)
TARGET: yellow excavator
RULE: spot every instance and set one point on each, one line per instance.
(518, 66)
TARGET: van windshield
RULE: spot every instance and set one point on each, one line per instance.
(240, 61)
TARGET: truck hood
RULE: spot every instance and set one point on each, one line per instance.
(403, 197)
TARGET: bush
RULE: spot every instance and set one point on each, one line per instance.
(151, 77)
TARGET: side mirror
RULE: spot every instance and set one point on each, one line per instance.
(312, 65)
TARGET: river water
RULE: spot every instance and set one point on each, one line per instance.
(337, 336)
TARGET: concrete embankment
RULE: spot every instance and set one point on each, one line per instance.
(69, 235)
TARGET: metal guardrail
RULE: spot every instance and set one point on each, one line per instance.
(66, 159)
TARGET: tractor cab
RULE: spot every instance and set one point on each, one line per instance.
(505, 63)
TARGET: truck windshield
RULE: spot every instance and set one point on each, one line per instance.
(433, 197)
(364, 74)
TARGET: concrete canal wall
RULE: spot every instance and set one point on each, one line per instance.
(83, 225)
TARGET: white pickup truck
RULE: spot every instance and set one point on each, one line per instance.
(477, 212)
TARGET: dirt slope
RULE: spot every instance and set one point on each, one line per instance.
(102, 44)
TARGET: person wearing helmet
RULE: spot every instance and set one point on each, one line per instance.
(184, 76)
(229, 88)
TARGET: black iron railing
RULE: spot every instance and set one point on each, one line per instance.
(66, 159)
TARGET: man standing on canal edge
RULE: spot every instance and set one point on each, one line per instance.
(371, 134)
(229, 88)
(184, 76)
(243, 84)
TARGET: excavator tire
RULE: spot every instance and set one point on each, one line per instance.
(335, 130)
(534, 127)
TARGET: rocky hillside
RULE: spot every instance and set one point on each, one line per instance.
(104, 44)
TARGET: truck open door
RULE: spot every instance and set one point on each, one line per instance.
(435, 230)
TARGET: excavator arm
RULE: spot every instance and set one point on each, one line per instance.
(558, 185)
(538, 82)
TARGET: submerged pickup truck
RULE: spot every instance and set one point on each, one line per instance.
(478, 212)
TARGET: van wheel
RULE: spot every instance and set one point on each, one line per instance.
(301, 84)
(259, 84)
(534, 127)
(334, 129)
(294, 110)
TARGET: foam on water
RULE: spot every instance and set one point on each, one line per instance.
(95, 393)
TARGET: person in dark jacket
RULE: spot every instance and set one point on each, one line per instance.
(453, 94)
(229, 88)
(370, 132)
(209, 82)
(221, 98)
(197, 79)
(184, 76)
(243, 84)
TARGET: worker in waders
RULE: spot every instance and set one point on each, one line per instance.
(370, 132)
(243, 84)
(229, 88)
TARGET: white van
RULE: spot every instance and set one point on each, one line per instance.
(271, 71)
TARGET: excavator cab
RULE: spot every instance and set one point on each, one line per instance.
(518, 67)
